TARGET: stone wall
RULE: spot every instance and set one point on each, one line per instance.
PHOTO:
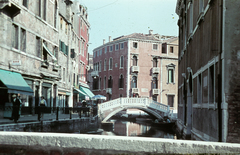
(62, 144)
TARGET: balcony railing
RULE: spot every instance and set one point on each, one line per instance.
(155, 70)
(156, 91)
(135, 69)
(135, 90)
(109, 90)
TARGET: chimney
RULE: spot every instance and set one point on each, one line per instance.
(103, 41)
(110, 38)
(150, 32)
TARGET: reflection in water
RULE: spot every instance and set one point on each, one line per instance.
(126, 128)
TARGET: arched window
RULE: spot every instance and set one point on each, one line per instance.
(110, 82)
(121, 61)
(110, 63)
(121, 82)
(135, 60)
(104, 85)
(134, 82)
(155, 62)
(154, 83)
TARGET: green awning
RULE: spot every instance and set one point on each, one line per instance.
(87, 91)
(14, 83)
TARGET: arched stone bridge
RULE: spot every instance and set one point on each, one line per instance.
(107, 109)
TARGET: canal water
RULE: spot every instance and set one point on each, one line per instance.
(139, 129)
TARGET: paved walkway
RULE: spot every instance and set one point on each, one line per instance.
(31, 118)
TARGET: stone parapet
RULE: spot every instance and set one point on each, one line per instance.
(55, 143)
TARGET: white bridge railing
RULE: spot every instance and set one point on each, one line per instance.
(123, 102)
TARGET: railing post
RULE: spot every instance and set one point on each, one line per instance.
(57, 113)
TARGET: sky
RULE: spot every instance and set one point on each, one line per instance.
(123, 17)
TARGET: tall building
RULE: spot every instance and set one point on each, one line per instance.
(137, 65)
(39, 56)
(209, 74)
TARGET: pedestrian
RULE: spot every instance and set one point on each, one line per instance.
(42, 104)
(16, 106)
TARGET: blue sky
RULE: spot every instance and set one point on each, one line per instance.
(123, 17)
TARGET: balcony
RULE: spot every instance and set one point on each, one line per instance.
(10, 7)
(155, 70)
(45, 63)
(135, 91)
(109, 90)
(155, 91)
(135, 69)
(94, 74)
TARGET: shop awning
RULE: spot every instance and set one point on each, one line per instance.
(77, 91)
(87, 91)
(14, 83)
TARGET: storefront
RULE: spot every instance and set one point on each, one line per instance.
(11, 83)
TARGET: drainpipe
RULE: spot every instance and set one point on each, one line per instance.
(220, 73)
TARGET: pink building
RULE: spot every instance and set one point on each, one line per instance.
(137, 65)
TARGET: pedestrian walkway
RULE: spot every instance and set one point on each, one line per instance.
(31, 118)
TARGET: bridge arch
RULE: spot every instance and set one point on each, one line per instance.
(145, 109)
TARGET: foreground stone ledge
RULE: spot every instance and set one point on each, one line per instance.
(48, 143)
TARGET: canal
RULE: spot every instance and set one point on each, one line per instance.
(138, 129)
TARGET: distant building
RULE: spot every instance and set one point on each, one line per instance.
(137, 65)
(209, 72)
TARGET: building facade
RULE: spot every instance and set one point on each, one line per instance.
(40, 47)
(208, 107)
(137, 65)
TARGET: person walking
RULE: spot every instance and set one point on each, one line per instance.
(16, 106)
(42, 104)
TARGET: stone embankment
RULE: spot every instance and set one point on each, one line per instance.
(56, 143)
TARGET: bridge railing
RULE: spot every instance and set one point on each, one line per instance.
(133, 102)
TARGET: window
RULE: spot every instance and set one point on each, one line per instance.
(25, 3)
(211, 84)
(116, 47)
(110, 48)
(38, 47)
(110, 64)
(171, 49)
(199, 89)
(121, 81)
(135, 61)
(15, 36)
(135, 44)
(121, 62)
(110, 82)
(134, 82)
(154, 83)
(100, 66)
(55, 14)
(155, 62)
(61, 23)
(122, 45)
(23, 40)
(66, 28)
(105, 64)
(97, 53)
(104, 84)
(170, 76)
(44, 9)
(100, 80)
(105, 50)
(164, 48)
(155, 46)
(38, 6)
(201, 6)
(100, 51)
(64, 78)
(191, 18)
(171, 100)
